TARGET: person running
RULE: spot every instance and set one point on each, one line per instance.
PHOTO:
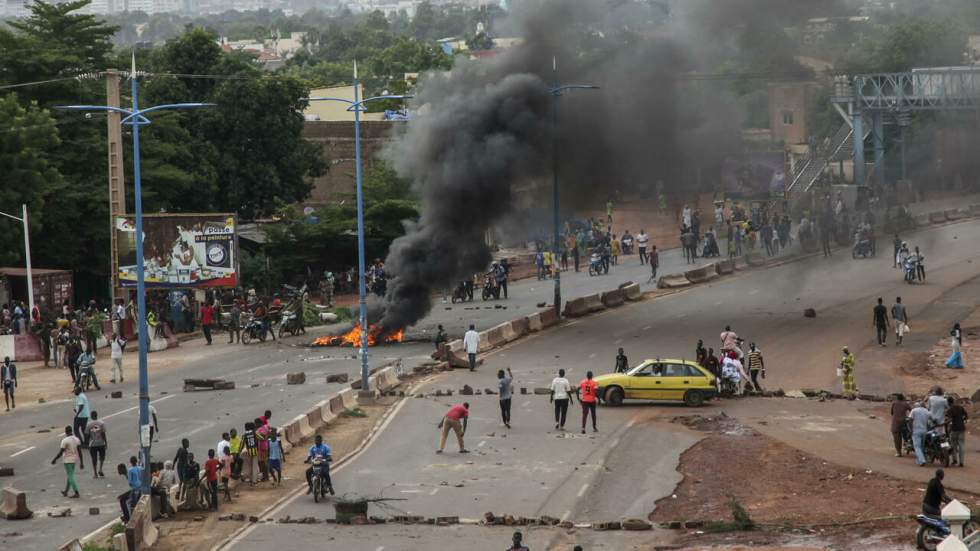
(561, 391)
(81, 415)
(505, 383)
(586, 393)
(97, 443)
(70, 453)
(455, 419)
(880, 322)
(8, 378)
(275, 457)
(211, 468)
(756, 366)
(900, 412)
(319, 449)
(847, 374)
(622, 362)
(471, 340)
(901, 318)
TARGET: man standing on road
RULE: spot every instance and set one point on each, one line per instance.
(957, 431)
(654, 264)
(70, 453)
(8, 378)
(97, 443)
(901, 318)
(622, 362)
(235, 323)
(471, 341)
(847, 374)
(756, 366)
(900, 412)
(81, 415)
(505, 383)
(211, 468)
(117, 344)
(207, 320)
(455, 419)
(920, 265)
(641, 242)
(880, 321)
(898, 245)
(180, 464)
(573, 245)
(586, 392)
(561, 390)
(937, 407)
(920, 426)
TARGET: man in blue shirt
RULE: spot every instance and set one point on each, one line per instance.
(134, 477)
(322, 450)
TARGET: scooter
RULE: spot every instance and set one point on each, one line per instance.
(595, 264)
(319, 482)
(932, 531)
(253, 330)
(910, 266)
(291, 323)
(490, 287)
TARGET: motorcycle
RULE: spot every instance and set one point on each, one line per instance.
(932, 531)
(462, 293)
(84, 378)
(490, 287)
(910, 266)
(291, 324)
(627, 246)
(253, 330)
(729, 387)
(862, 248)
(595, 264)
(321, 466)
(936, 447)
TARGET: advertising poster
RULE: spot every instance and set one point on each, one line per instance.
(180, 250)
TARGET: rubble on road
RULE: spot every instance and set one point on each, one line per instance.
(191, 385)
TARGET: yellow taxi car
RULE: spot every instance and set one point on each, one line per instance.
(668, 380)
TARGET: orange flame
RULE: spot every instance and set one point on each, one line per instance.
(353, 337)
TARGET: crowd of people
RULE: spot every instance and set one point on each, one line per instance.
(935, 415)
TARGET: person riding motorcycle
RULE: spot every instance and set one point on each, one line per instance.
(935, 497)
(321, 450)
(85, 363)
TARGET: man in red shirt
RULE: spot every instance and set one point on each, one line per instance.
(211, 468)
(207, 319)
(453, 418)
(586, 393)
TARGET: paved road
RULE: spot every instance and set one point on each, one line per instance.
(630, 463)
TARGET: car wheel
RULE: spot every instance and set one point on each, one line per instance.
(694, 398)
(614, 397)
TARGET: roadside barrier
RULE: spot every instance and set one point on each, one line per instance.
(140, 531)
(611, 299)
(14, 506)
(702, 274)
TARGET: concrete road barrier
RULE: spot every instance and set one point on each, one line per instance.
(336, 403)
(974, 210)
(576, 307)
(140, 531)
(314, 419)
(632, 292)
(348, 397)
(702, 274)
(594, 302)
(520, 327)
(548, 317)
(951, 214)
(937, 217)
(755, 259)
(921, 220)
(672, 281)
(484, 342)
(326, 414)
(724, 267)
(534, 322)
(14, 506)
(611, 299)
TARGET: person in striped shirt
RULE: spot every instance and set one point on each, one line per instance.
(756, 365)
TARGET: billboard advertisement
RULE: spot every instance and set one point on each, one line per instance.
(180, 250)
(754, 175)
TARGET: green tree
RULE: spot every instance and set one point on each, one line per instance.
(29, 173)
(909, 44)
(479, 41)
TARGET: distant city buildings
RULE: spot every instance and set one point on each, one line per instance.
(21, 8)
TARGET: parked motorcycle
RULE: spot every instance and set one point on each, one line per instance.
(936, 447)
(862, 248)
(253, 330)
(932, 531)
(291, 323)
(462, 292)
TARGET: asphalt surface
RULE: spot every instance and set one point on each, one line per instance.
(535, 470)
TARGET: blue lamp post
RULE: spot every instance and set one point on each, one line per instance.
(136, 118)
(357, 106)
(556, 91)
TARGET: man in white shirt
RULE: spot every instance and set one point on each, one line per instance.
(561, 391)
(70, 453)
(223, 443)
(116, 344)
(471, 341)
(641, 242)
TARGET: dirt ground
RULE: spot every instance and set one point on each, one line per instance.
(200, 531)
(921, 371)
(794, 498)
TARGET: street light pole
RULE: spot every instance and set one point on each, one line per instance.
(27, 256)
(357, 106)
(556, 91)
(136, 117)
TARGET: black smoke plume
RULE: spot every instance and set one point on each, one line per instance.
(486, 125)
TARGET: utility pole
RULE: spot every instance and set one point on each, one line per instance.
(117, 183)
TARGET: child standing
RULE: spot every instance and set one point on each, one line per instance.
(226, 462)
(211, 468)
(275, 457)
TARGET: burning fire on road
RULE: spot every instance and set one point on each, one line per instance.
(375, 335)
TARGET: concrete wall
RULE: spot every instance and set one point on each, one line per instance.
(792, 99)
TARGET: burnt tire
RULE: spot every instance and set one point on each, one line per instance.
(694, 398)
(614, 396)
